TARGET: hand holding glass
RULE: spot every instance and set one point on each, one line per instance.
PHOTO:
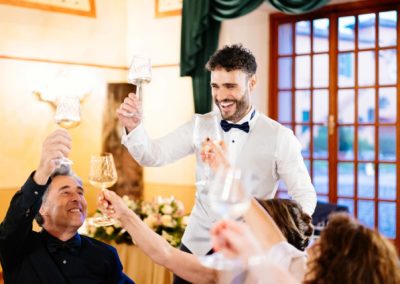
(206, 126)
(103, 174)
(67, 116)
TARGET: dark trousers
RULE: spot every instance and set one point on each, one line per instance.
(177, 279)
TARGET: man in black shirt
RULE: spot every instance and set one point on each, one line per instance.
(57, 254)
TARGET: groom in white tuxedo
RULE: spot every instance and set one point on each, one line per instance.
(254, 142)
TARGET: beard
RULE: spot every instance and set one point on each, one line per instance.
(242, 107)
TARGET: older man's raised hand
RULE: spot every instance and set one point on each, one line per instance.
(55, 146)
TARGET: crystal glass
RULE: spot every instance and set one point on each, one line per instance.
(206, 126)
(102, 174)
(139, 74)
(67, 116)
(229, 197)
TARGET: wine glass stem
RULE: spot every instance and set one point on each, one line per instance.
(139, 90)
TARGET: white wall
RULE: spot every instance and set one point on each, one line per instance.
(25, 121)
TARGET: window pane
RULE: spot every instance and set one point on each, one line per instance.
(387, 105)
(285, 107)
(320, 142)
(302, 108)
(349, 203)
(346, 105)
(307, 163)
(321, 35)
(366, 143)
(387, 219)
(285, 44)
(320, 106)
(387, 67)
(366, 180)
(303, 70)
(346, 142)
(387, 181)
(322, 198)
(346, 69)
(366, 105)
(303, 37)
(387, 143)
(346, 179)
(320, 177)
(285, 71)
(366, 31)
(303, 134)
(321, 70)
(366, 213)
(346, 33)
(366, 68)
(387, 28)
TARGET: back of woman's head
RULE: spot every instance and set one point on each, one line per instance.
(291, 220)
(348, 252)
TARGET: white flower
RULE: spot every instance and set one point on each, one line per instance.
(166, 220)
(151, 221)
(166, 236)
(185, 221)
(167, 209)
(109, 230)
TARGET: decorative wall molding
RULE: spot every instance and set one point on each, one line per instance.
(32, 59)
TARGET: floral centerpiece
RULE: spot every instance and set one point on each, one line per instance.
(164, 215)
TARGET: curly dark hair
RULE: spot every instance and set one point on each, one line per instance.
(234, 57)
(295, 225)
(348, 252)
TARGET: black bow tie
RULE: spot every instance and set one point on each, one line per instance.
(226, 126)
(73, 245)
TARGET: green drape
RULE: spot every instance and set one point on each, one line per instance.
(297, 6)
(201, 22)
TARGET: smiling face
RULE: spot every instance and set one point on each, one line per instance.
(64, 208)
(231, 92)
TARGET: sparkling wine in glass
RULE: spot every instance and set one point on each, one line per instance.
(229, 198)
(103, 175)
(139, 74)
(67, 116)
(206, 126)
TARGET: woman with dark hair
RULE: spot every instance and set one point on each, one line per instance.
(346, 253)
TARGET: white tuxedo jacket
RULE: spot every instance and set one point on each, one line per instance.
(271, 152)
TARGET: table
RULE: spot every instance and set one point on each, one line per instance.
(140, 267)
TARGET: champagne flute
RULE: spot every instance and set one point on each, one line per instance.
(67, 116)
(229, 198)
(206, 126)
(103, 174)
(139, 74)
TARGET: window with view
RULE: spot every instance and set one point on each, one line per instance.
(335, 84)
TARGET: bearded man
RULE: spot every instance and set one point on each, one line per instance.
(254, 142)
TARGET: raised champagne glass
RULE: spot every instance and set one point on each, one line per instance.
(103, 175)
(139, 74)
(206, 126)
(67, 116)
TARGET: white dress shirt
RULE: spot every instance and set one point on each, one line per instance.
(269, 150)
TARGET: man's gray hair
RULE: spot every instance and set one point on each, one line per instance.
(62, 170)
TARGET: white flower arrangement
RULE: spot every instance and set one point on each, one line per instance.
(164, 215)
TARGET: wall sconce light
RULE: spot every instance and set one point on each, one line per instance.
(72, 83)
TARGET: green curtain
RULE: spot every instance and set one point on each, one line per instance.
(201, 22)
(297, 6)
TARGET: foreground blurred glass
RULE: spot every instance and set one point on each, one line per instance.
(229, 198)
